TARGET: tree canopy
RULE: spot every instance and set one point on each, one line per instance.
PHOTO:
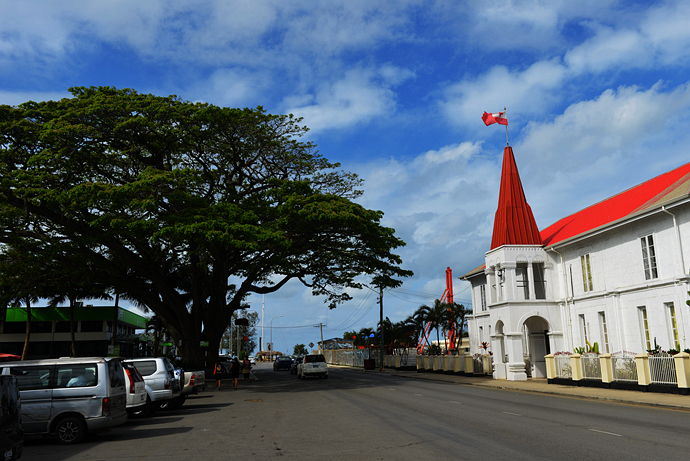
(187, 207)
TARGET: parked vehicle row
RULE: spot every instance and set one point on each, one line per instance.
(303, 366)
(70, 397)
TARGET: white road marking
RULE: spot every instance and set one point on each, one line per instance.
(509, 413)
(604, 432)
(453, 401)
(420, 395)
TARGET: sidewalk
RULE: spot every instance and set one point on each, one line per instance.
(540, 386)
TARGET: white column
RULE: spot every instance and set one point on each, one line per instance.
(511, 280)
(530, 272)
(516, 361)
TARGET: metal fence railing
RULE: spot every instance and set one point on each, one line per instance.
(591, 367)
(624, 368)
(350, 357)
(563, 367)
(356, 357)
(662, 369)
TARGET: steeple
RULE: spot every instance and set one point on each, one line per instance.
(514, 223)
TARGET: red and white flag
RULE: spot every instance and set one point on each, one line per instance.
(490, 119)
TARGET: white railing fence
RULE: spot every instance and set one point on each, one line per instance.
(624, 368)
(591, 367)
(563, 367)
(662, 369)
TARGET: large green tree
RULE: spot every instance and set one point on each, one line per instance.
(188, 207)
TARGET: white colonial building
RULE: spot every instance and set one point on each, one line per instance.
(614, 273)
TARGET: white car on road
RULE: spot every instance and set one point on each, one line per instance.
(312, 365)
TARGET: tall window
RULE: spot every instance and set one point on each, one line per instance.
(586, 273)
(604, 332)
(644, 328)
(583, 329)
(522, 281)
(482, 296)
(539, 281)
(649, 257)
(673, 325)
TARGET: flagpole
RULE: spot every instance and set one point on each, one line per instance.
(507, 140)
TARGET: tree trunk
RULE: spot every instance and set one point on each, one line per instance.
(156, 327)
(25, 352)
(115, 317)
(71, 327)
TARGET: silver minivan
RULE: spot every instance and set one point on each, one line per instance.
(70, 397)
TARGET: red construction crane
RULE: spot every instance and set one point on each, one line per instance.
(446, 298)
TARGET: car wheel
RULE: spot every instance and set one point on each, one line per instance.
(166, 404)
(70, 430)
(178, 402)
(143, 411)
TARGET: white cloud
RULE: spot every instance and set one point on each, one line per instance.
(615, 121)
(610, 49)
(358, 97)
(233, 87)
(532, 91)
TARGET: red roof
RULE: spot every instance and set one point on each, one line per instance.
(514, 223)
(655, 192)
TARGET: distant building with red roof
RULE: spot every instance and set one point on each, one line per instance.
(613, 274)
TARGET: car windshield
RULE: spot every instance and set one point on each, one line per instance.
(315, 358)
(284, 359)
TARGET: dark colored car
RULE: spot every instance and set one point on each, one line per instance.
(11, 433)
(296, 361)
(282, 363)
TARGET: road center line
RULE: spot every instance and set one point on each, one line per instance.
(420, 395)
(453, 401)
(604, 432)
(509, 413)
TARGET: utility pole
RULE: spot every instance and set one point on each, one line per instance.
(263, 313)
(321, 349)
(381, 353)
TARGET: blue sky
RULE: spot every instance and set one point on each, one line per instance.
(596, 91)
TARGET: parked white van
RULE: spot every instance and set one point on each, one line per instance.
(161, 385)
(70, 397)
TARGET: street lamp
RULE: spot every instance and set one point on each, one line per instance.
(270, 355)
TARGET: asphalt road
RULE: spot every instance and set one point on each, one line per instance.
(372, 416)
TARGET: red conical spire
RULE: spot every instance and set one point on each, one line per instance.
(514, 223)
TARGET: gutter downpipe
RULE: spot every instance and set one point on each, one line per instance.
(682, 261)
(567, 306)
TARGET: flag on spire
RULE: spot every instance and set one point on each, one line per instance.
(500, 118)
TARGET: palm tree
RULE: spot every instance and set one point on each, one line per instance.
(422, 318)
(439, 319)
(154, 325)
(457, 313)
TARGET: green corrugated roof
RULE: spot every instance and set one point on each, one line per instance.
(50, 314)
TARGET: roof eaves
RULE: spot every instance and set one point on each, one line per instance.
(619, 222)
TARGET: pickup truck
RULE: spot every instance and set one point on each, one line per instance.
(194, 382)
